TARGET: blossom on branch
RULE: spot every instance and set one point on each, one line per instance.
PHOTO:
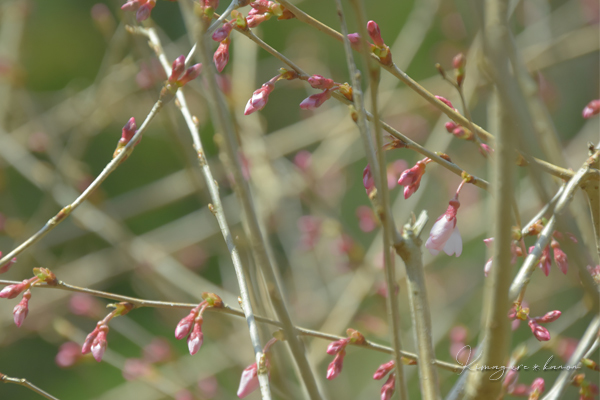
(444, 234)
(22, 309)
(591, 109)
(143, 8)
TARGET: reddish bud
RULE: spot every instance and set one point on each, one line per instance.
(383, 370)
(445, 101)
(320, 82)
(143, 13)
(545, 262)
(451, 126)
(368, 181)
(190, 74)
(128, 131)
(387, 390)
(196, 337)
(593, 108)
(536, 389)
(335, 367)
(7, 266)
(354, 39)
(257, 19)
(222, 33)
(561, 259)
(315, 100)
(89, 340)
(549, 317)
(249, 381)
(184, 326)
(259, 98)
(411, 178)
(510, 381)
(12, 291)
(375, 33)
(177, 69)
(221, 56)
(337, 346)
(539, 331)
(99, 344)
(22, 309)
(459, 61)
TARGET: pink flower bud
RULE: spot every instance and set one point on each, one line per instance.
(131, 5)
(259, 98)
(335, 367)
(451, 126)
(315, 100)
(444, 235)
(128, 131)
(143, 13)
(260, 6)
(549, 317)
(320, 82)
(384, 369)
(375, 33)
(561, 259)
(389, 387)
(593, 108)
(222, 33)
(545, 262)
(302, 160)
(368, 181)
(184, 326)
(459, 61)
(12, 291)
(196, 338)
(485, 149)
(257, 19)
(249, 381)
(7, 266)
(177, 69)
(190, 74)
(536, 389)
(445, 101)
(337, 346)
(20, 311)
(68, 354)
(221, 56)
(99, 344)
(354, 38)
(539, 331)
(411, 179)
(89, 340)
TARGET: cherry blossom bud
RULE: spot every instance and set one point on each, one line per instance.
(335, 367)
(130, 5)
(544, 262)
(184, 326)
(7, 266)
(12, 291)
(591, 109)
(222, 33)
(259, 98)
(445, 101)
(190, 74)
(411, 179)
(337, 346)
(388, 389)
(444, 235)
(260, 6)
(177, 69)
(196, 337)
(384, 369)
(368, 181)
(539, 331)
(315, 100)
(375, 33)
(20, 311)
(561, 259)
(257, 19)
(320, 82)
(143, 13)
(249, 381)
(89, 340)
(485, 149)
(537, 388)
(128, 131)
(68, 354)
(549, 317)
(354, 39)
(221, 56)
(459, 62)
(302, 160)
(451, 126)
(515, 251)
(99, 344)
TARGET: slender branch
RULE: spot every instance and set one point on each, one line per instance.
(226, 309)
(110, 167)
(224, 123)
(376, 160)
(410, 251)
(27, 384)
(583, 347)
(217, 205)
(495, 325)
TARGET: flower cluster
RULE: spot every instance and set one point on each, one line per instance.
(338, 349)
(259, 98)
(96, 342)
(263, 10)
(221, 56)
(180, 76)
(191, 325)
(518, 312)
(560, 258)
(328, 86)
(378, 48)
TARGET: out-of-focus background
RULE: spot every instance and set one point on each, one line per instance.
(71, 77)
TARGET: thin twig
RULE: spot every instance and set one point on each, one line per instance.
(110, 167)
(27, 384)
(226, 309)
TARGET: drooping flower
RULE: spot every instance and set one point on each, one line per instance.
(249, 381)
(389, 387)
(559, 257)
(320, 82)
(411, 178)
(384, 369)
(22, 309)
(196, 337)
(184, 326)
(99, 344)
(335, 367)
(444, 235)
(539, 331)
